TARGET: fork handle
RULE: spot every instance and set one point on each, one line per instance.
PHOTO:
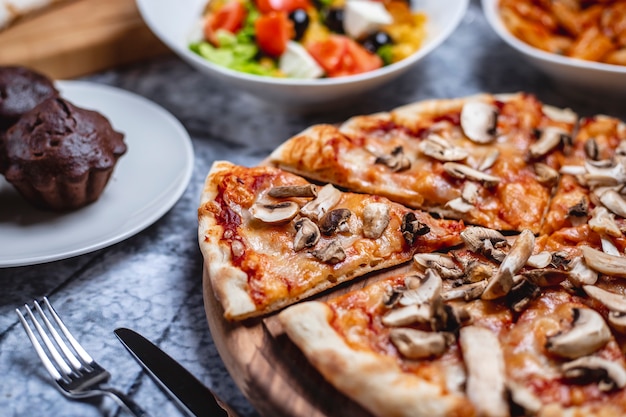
(125, 401)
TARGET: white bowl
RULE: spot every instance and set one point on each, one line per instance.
(173, 22)
(588, 75)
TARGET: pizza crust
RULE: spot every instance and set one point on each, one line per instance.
(374, 381)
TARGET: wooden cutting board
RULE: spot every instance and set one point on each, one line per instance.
(270, 370)
(79, 37)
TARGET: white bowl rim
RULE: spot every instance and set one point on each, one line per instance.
(350, 79)
(493, 17)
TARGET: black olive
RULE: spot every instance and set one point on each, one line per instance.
(334, 19)
(300, 20)
(376, 40)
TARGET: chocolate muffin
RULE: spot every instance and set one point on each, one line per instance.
(21, 89)
(59, 156)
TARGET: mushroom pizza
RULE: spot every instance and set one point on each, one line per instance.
(506, 219)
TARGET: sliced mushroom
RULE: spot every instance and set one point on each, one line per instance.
(574, 170)
(484, 361)
(545, 277)
(617, 320)
(605, 173)
(580, 274)
(613, 201)
(609, 374)
(396, 160)
(502, 282)
(611, 300)
(603, 222)
(608, 247)
(524, 397)
(418, 344)
(479, 121)
(475, 236)
(560, 114)
(335, 220)
(327, 197)
(521, 295)
(614, 266)
(550, 138)
(545, 174)
(375, 220)
(580, 209)
(540, 260)
(275, 213)
(424, 290)
(407, 315)
(588, 333)
(470, 192)
(443, 264)
(465, 292)
(412, 227)
(476, 271)
(307, 234)
(461, 171)
(459, 205)
(489, 159)
(592, 150)
(440, 149)
(287, 191)
(332, 253)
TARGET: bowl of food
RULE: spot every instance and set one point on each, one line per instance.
(579, 43)
(302, 52)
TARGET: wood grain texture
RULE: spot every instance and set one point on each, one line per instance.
(270, 370)
(79, 37)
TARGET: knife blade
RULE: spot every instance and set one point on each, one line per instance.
(185, 389)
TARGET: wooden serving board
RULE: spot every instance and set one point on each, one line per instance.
(270, 370)
(79, 37)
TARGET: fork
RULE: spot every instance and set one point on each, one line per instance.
(77, 377)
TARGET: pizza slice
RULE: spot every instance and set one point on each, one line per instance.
(270, 238)
(426, 341)
(480, 158)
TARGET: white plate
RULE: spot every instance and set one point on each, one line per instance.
(146, 183)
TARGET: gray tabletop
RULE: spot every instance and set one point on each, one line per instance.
(151, 282)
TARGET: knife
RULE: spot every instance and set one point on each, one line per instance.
(187, 392)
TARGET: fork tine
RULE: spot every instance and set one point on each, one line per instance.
(74, 362)
(64, 369)
(39, 349)
(77, 346)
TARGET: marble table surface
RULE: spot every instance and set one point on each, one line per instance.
(151, 282)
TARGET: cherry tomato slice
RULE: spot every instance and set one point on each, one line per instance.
(266, 6)
(340, 56)
(273, 30)
(229, 17)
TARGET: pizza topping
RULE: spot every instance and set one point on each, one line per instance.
(461, 171)
(617, 321)
(540, 260)
(287, 191)
(580, 274)
(375, 220)
(275, 213)
(443, 264)
(459, 205)
(470, 192)
(502, 282)
(307, 234)
(545, 277)
(613, 301)
(476, 238)
(478, 271)
(545, 174)
(580, 209)
(612, 200)
(606, 172)
(396, 160)
(327, 197)
(465, 292)
(588, 333)
(550, 138)
(608, 374)
(484, 360)
(521, 295)
(603, 222)
(611, 265)
(418, 344)
(440, 149)
(591, 149)
(407, 315)
(523, 397)
(412, 227)
(335, 220)
(331, 253)
(421, 290)
(489, 159)
(479, 121)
